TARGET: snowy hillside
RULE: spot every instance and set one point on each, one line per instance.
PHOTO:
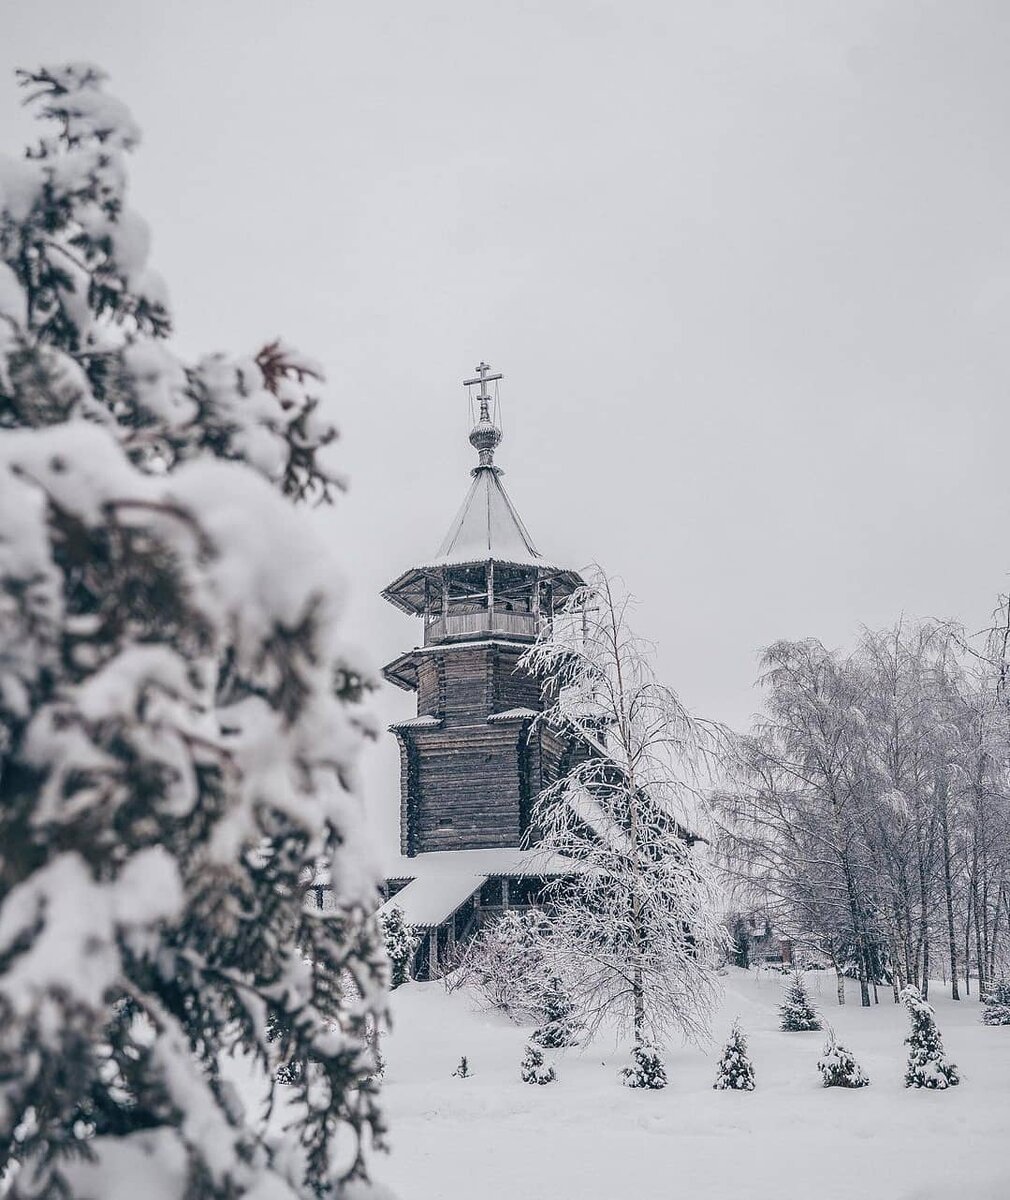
(587, 1138)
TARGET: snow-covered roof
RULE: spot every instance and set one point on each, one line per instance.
(514, 714)
(425, 721)
(487, 526)
(444, 880)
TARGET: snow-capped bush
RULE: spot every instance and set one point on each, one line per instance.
(505, 964)
(462, 1069)
(928, 1065)
(996, 1005)
(401, 943)
(561, 1023)
(838, 1066)
(735, 1071)
(646, 1069)
(179, 721)
(796, 1011)
(533, 1069)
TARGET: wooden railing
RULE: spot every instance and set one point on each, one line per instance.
(460, 625)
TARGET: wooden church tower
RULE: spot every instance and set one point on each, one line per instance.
(470, 770)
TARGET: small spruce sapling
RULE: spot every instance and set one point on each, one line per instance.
(647, 1070)
(928, 1065)
(561, 1025)
(735, 1071)
(533, 1068)
(401, 945)
(996, 1004)
(797, 1012)
(463, 1069)
(838, 1067)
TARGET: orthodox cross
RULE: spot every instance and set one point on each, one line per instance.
(483, 378)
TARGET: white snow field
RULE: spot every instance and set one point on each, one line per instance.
(586, 1137)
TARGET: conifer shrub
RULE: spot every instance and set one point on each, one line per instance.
(996, 1004)
(462, 1069)
(928, 1065)
(561, 1026)
(533, 1068)
(646, 1070)
(797, 1013)
(735, 1071)
(838, 1066)
(401, 944)
(180, 722)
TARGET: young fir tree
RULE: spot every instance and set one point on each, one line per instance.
(401, 944)
(838, 1067)
(533, 1069)
(462, 1069)
(735, 1071)
(561, 1026)
(796, 1011)
(646, 1070)
(996, 1004)
(928, 1065)
(179, 722)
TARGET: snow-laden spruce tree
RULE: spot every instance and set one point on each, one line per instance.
(996, 1004)
(797, 1013)
(401, 943)
(533, 1069)
(735, 1071)
(634, 927)
(928, 1065)
(838, 1066)
(560, 1020)
(179, 723)
(646, 1069)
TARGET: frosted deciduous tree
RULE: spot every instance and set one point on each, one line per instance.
(179, 722)
(634, 926)
(790, 825)
(505, 964)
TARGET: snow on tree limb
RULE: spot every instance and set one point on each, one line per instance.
(633, 930)
(179, 721)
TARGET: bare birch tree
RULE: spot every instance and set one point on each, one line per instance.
(635, 925)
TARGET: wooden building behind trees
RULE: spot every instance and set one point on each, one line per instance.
(474, 759)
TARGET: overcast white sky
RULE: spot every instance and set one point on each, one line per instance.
(746, 267)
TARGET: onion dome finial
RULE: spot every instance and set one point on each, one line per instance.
(485, 435)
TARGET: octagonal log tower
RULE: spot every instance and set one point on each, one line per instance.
(470, 768)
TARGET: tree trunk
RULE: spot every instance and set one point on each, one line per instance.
(980, 960)
(949, 897)
(967, 947)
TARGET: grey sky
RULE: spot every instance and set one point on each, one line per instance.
(746, 267)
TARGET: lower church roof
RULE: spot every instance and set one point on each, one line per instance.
(442, 881)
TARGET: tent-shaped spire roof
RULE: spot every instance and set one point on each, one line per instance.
(487, 526)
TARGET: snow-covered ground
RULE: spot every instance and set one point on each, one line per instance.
(586, 1137)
